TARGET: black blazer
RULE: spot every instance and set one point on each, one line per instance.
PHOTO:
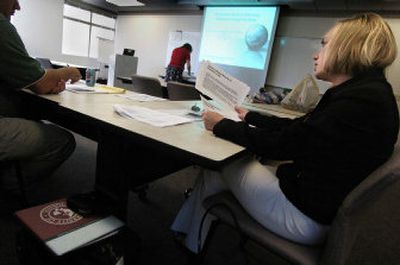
(349, 134)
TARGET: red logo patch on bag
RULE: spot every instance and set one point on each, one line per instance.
(59, 214)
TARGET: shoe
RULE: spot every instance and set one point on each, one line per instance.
(91, 203)
(192, 258)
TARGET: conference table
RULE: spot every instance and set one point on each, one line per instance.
(131, 153)
(88, 114)
(191, 140)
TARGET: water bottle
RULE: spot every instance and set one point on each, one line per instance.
(90, 77)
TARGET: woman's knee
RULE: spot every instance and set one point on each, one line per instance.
(247, 170)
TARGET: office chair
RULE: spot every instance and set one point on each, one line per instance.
(150, 86)
(45, 63)
(147, 85)
(365, 230)
(181, 91)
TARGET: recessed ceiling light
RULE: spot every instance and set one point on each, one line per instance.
(125, 2)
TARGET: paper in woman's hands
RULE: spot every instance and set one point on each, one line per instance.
(225, 90)
(212, 105)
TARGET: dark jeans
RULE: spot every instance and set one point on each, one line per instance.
(173, 74)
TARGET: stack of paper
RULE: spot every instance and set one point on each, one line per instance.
(159, 118)
(141, 97)
(82, 88)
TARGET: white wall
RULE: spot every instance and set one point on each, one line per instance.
(315, 27)
(394, 70)
(148, 35)
(40, 25)
(297, 39)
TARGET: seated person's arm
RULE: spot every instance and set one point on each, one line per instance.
(271, 122)
(262, 121)
(53, 81)
(283, 144)
(278, 142)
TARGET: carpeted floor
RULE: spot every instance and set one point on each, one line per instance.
(150, 220)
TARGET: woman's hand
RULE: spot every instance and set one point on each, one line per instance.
(242, 112)
(211, 118)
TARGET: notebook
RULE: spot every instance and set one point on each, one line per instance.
(63, 230)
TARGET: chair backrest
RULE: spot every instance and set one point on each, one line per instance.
(367, 225)
(45, 63)
(181, 91)
(147, 85)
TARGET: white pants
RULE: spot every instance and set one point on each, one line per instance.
(257, 189)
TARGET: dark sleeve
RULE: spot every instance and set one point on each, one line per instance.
(341, 125)
(262, 121)
(282, 143)
(17, 68)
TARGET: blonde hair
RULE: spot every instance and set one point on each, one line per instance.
(359, 44)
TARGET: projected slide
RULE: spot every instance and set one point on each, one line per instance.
(238, 36)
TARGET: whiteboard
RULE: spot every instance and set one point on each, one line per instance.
(177, 39)
(105, 50)
(291, 60)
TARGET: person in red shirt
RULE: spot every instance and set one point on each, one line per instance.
(180, 57)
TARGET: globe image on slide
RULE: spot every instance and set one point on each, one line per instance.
(256, 36)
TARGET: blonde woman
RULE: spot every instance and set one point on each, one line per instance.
(332, 149)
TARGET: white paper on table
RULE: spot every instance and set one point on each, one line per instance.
(158, 118)
(182, 113)
(141, 97)
(223, 88)
(79, 87)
